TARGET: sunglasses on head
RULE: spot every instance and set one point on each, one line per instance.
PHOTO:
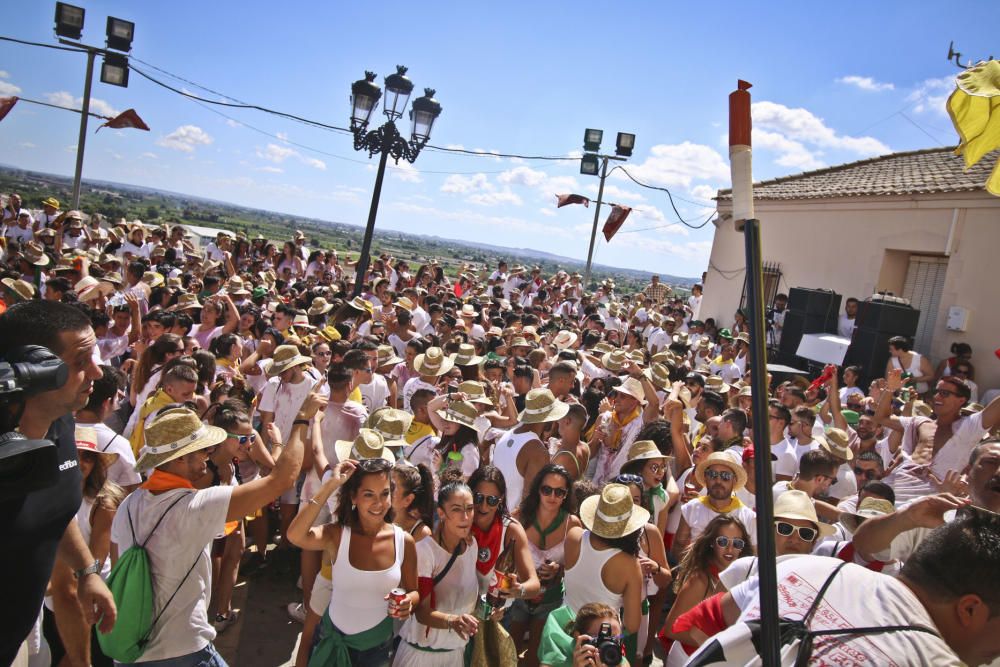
(805, 534)
(492, 501)
(242, 439)
(724, 475)
(374, 465)
(628, 479)
(549, 490)
(722, 542)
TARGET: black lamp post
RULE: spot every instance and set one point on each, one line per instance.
(387, 140)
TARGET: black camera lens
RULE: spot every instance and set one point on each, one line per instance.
(610, 652)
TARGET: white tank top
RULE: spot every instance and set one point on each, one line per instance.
(583, 581)
(505, 453)
(357, 602)
(913, 370)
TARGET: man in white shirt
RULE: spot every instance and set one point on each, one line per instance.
(721, 475)
(362, 363)
(499, 276)
(103, 400)
(216, 250)
(846, 322)
(21, 232)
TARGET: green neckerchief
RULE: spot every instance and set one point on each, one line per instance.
(657, 492)
(333, 645)
(550, 528)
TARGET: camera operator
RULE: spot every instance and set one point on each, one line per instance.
(39, 525)
(597, 633)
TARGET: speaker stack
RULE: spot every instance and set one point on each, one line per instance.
(877, 322)
(809, 311)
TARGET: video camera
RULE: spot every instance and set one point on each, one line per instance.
(25, 464)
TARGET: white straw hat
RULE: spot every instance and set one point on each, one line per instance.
(612, 514)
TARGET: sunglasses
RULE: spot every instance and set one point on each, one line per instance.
(492, 501)
(786, 529)
(374, 465)
(548, 491)
(722, 542)
(242, 439)
(628, 479)
(945, 392)
(724, 475)
(657, 467)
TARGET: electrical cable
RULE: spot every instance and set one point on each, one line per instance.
(669, 196)
(47, 46)
(56, 106)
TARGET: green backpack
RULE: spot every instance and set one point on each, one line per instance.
(131, 584)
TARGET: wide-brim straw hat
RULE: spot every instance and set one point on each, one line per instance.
(530, 332)
(173, 434)
(716, 384)
(329, 333)
(392, 424)
(680, 338)
(642, 450)
(285, 357)
(360, 305)
(301, 320)
(721, 459)
(602, 348)
(51, 201)
(22, 288)
(236, 287)
(368, 445)
(186, 301)
(460, 412)
(433, 362)
(86, 441)
(476, 392)
(614, 361)
(152, 278)
(659, 375)
(564, 339)
(34, 253)
(519, 341)
(612, 514)
(90, 288)
(633, 388)
(541, 406)
(704, 343)
(799, 506)
(114, 278)
(466, 356)
(319, 306)
(743, 337)
(386, 356)
(870, 507)
(837, 442)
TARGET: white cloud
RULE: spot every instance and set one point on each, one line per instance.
(4, 74)
(485, 151)
(526, 176)
(27, 144)
(614, 192)
(233, 123)
(282, 135)
(462, 184)
(680, 165)
(791, 153)
(865, 83)
(802, 126)
(185, 138)
(504, 196)
(548, 212)
(278, 154)
(405, 172)
(67, 101)
(151, 156)
(313, 162)
(691, 251)
(704, 192)
(8, 89)
(932, 95)
(271, 170)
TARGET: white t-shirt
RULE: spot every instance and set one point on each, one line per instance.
(885, 601)
(698, 514)
(411, 387)
(846, 483)
(800, 450)
(375, 394)
(787, 462)
(182, 539)
(845, 326)
(122, 472)
(284, 400)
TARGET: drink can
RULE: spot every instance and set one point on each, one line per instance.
(484, 609)
(396, 597)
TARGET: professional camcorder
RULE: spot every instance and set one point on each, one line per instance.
(26, 465)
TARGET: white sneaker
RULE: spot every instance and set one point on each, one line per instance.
(297, 612)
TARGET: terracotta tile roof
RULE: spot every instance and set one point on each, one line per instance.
(925, 171)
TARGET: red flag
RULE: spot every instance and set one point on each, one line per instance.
(127, 118)
(564, 200)
(6, 104)
(615, 220)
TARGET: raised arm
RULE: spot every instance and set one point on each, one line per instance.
(301, 531)
(883, 409)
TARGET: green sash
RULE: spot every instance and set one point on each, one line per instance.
(333, 645)
(556, 646)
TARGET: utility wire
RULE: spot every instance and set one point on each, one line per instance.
(56, 106)
(47, 46)
(670, 196)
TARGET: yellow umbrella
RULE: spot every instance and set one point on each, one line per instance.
(974, 108)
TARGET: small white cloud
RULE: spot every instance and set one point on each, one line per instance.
(932, 95)
(314, 163)
(462, 184)
(282, 135)
(803, 126)
(185, 139)
(67, 101)
(791, 153)
(271, 170)
(275, 153)
(706, 192)
(27, 144)
(70, 149)
(8, 89)
(526, 176)
(494, 198)
(865, 83)
(151, 156)
(4, 74)
(548, 212)
(405, 172)
(233, 123)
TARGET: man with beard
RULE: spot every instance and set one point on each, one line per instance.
(722, 476)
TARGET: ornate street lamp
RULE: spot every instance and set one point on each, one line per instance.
(386, 140)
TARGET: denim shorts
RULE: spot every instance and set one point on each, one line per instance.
(206, 657)
(521, 612)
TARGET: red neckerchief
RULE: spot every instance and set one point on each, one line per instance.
(847, 555)
(489, 545)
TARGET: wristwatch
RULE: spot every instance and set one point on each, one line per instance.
(93, 568)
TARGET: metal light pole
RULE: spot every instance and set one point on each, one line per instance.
(589, 166)
(597, 213)
(81, 142)
(387, 140)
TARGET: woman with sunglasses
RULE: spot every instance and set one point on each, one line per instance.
(370, 558)
(439, 629)
(495, 531)
(723, 541)
(547, 514)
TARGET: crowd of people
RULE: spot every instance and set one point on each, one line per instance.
(492, 468)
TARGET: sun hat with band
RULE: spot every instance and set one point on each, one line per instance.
(320, 306)
(186, 301)
(20, 289)
(90, 288)
(540, 406)
(386, 356)
(564, 339)
(612, 514)
(476, 392)
(633, 388)
(466, 356)
(368, 445)
(34, 253)
(285, 357)
(433, 362)
(405, 303)
(797, 505)
(173, 434)
(86, 441)
(615, 360)
(392, 424)
(717, 384)
(837, 442)
(646, 449)
(869, 508)
(460, 412)
(721, 459)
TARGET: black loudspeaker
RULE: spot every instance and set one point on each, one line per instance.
(798, 323)
(899, 319)
(815, 302)
(870, 350)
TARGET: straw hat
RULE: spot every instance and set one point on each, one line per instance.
(368, 445)
(319, 306)
(721, 459)
(404, 302)
(34, 253)
(743, 337)
(837, 442)
(301, 320)
(530, 332)
(359, 304)
(391, 424)
(869, 507)
(46, 232)
(51, 201)
(433, 362)
(152, 278)
(633, 388)
(540, 406)
(173, 434)
(716, 384)
(476, 392)
(386, 356)
(460, 412)
(519, 341)
(113, 277)
(564, 339)
(90, 288)
(329, 333)
(186, 301)
(680, 338)
(285, 357)
(22, 289)
(614, 360)
(637, 357)
(467, 356)
(86, 440)
(798, 505)
(966, 410)
(659, 375)
(612, 514)
(704, 343)
(642, 450)
(665, 357)
(922, 409)
(236, 287)
(746, 390)
(494, 331)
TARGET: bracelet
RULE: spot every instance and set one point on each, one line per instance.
(302, 422)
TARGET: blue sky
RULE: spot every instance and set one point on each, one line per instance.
(832, 84)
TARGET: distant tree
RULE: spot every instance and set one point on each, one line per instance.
(152, 213)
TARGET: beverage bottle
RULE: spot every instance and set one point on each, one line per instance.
(503, 568)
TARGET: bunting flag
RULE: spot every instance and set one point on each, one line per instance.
(6, 104)
(565, 200)
(127, 118)
(615, 220)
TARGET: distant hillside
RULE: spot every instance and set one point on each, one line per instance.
(116, 200)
